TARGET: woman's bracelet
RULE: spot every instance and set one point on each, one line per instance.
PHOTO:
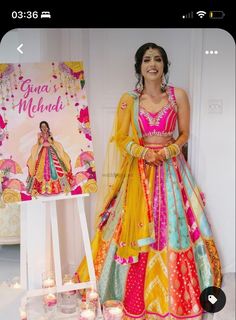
(138, 151)
(143, 154)
(171, 151)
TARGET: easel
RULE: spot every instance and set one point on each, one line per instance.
(33, 215)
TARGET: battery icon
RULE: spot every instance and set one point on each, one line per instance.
(216, 14)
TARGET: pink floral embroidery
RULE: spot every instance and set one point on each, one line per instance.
(123, 261)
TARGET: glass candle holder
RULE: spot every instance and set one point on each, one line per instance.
(48, 280)
(50, 303)
(113, 310)
(92, 297)
(68, 299)
(86, 311)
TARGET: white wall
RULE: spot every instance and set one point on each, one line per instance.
(216, 163)
(108, 56)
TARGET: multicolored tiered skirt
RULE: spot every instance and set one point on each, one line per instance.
(51, 175)
(169, 277)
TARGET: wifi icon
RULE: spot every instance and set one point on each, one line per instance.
(201, 14)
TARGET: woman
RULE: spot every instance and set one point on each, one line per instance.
(49, 166)
(153, 248)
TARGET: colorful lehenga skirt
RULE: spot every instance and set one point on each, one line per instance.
(51, 175)
(171, 273)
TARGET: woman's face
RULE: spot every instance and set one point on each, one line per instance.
(152, 65)
(44, 128)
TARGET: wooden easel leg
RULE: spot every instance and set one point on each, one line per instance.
(86, 240)
(23, 246)
(87, 247)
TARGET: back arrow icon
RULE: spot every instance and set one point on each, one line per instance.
(19, 48)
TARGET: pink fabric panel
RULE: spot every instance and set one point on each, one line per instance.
(134, 292)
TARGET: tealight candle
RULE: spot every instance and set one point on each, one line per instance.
(87, 315)
(23, 314)
(50, 302)
(50, 299)
(87, 311)
(48, 280)
(92, 296)
(16, 285)
(113, 310)
(48, 283)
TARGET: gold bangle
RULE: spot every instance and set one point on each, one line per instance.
(172, 151)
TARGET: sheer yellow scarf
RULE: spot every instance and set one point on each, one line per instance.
(123, 170)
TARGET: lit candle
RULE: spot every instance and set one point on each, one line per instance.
(48, 283)
(50, 300)
(87, 315)
(16, 285)
(92, 296)
(48, 279)
(67, 283)
(115, 312)
(23, 315)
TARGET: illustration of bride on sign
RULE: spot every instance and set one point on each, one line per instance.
(49, 166)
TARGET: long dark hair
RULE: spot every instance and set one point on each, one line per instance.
(47, 125)
(139, 58)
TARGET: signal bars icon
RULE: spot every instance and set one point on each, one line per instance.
(188, 15)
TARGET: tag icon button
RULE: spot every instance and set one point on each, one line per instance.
(212, 299)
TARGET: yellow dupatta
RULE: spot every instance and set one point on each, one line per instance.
(122, 171)
(136, 226)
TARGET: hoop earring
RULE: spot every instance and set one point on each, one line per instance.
(163, 83)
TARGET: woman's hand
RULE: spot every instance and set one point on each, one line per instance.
(160, 157)
(154, 157)
(150, 156)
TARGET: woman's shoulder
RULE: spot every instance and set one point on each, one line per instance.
(179, 93)
(129, 95)
(127, 99)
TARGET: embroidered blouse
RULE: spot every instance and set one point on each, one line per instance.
(161, 123)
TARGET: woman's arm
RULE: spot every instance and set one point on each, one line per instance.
(183, 116)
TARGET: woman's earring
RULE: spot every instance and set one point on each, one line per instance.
(163, 83)
(140, 86)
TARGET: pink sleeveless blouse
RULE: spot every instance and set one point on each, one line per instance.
(161, 123)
